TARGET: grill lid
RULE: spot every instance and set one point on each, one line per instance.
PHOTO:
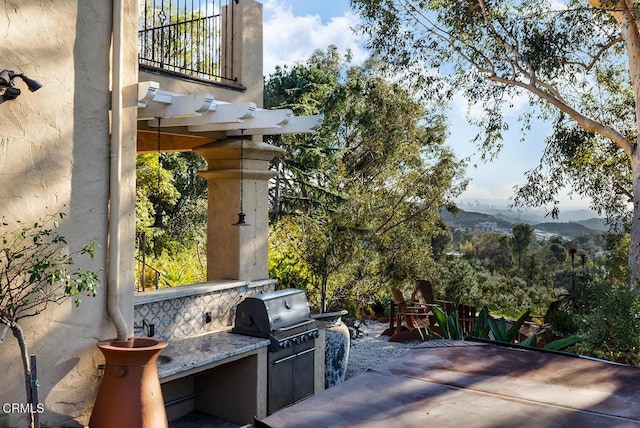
(280, 310)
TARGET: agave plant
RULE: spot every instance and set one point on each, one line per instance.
(488, 327)
(498, 329)
(449, 324)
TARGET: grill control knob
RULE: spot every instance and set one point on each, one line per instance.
(285, 344)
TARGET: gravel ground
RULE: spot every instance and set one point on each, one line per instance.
(369, 349)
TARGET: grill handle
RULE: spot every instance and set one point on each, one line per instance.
(291, 357)
(292, 326)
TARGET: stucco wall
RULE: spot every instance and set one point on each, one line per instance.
(54, 156)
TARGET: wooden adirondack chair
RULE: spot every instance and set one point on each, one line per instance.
(423, 293)
(409, 318)
(422, 296)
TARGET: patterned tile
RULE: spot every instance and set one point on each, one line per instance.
(142, 310)
(178, 317)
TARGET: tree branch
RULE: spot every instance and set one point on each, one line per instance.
(588, 124)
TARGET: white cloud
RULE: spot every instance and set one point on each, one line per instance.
(290, 39)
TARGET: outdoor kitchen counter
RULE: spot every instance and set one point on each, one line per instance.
(198, 353)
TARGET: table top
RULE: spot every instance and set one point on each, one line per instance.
(458, 383)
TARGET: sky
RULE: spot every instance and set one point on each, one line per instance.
(293, 29)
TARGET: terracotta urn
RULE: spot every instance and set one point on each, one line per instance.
(130, 395)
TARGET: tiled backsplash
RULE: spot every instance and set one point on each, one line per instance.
(193, 309)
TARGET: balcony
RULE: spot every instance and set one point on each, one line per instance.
(191, 39)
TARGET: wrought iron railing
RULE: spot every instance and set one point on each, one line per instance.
(193, 38)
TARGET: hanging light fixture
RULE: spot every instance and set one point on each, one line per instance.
(158, 216)
(241, 215)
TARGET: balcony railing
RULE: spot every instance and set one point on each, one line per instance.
(192, 38)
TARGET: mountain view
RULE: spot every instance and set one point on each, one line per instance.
(572, 223)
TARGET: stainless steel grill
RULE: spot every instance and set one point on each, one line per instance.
(284, 318)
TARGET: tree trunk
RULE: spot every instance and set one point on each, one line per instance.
(26, 365)
(323, 293)
(276, 192)
(634, 250)
(623, 12)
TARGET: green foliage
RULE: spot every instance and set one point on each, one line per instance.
(617, 253)
(610, 322)
(155, 190)
(285, 262)
(576, 79)
(36, 269)
(597, 313)
(458, 281)
(563, 343)
(188, 268)
(449, 324)
(563, 320)
(169, 270)
(488, 327)
(510, 295)
(496, 249)
(169, 183)
(484, 277)
(499, 329)
(522, 240)
(359, 199)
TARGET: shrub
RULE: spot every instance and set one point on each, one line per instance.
(610, 323)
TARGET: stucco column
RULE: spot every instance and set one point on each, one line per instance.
(237, 252)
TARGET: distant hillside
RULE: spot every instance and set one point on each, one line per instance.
(568, 230)
(531, 216)
(595, 224)
(470, 220)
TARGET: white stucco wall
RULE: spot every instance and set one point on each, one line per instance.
(54, 156)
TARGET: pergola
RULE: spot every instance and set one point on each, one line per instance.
(189, 121)
(216, 130)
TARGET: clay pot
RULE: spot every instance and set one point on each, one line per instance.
(130, 394)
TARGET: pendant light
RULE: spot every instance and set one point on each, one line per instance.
(158, 216)
(241, 215)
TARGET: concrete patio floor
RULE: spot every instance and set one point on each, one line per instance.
(457, 383)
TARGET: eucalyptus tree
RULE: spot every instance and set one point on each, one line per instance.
(578, 62)
(363, 194)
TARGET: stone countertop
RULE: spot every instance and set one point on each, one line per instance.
(192, 353)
